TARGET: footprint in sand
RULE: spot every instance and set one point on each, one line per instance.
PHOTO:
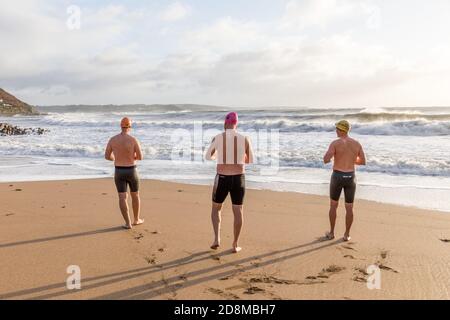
(349, 256)
(223, 294)
(326, 273)
(150, 260)
(348, 248)
(139, 236)
(161, 249)
(333, 269)
(180, 190)
(253, 290)
(214, 257)
(253, 285)
(445, 240)
(381, 265)
(9, 214)
(271, 280)
(360, 275)
(18, 190)
(183, 277)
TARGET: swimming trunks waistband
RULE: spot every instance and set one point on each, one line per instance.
(132, 167)
(232, 175)
(342, 172)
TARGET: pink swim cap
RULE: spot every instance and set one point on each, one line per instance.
(231, 118)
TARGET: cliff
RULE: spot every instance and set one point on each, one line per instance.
(10, 105)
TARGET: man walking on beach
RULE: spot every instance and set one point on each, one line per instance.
(125, 150)
(347, 153)
(232, 151)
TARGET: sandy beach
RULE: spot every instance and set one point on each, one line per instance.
(47, 226)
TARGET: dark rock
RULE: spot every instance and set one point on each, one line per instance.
(10, 130)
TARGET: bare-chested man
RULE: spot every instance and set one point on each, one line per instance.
(232, 151)
(124, 150)
(347, 153)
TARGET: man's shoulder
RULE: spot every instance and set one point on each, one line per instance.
(241, 135)
(114, 138)
(356, 142)
(336, 141)
(132, 138)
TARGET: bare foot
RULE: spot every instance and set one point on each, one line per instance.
(347, 238)
(236, 249)
(329, 236)
(215, 246)
(127, 226)
(140, 221)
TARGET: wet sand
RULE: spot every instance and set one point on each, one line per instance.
(47, 226)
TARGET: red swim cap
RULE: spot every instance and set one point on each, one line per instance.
(231, 118)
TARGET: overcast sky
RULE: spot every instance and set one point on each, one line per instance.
(254, 53)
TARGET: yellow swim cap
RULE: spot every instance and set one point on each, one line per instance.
(343, 125)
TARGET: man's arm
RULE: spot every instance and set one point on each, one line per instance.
(248, 151)
(109, 152)
(138, 155)
(210, 154)
(330, 154)
(361, 158)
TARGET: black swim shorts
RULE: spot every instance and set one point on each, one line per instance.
(343, 180)
(125, 176)
(235, 185)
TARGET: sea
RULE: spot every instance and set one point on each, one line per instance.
(407, 149)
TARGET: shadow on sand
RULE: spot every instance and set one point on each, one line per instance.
(171, 284)
(67, 236)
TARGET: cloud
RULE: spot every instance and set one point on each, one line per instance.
(322, 13)
(175, 12)
(311, 54)
(315, 12)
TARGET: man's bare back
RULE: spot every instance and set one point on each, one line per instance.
(346, 153)
(239, 153)
(124, 150)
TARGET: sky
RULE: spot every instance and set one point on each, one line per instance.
(247, 53)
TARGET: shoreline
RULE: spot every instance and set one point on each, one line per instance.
(326, 198)
(48, 226)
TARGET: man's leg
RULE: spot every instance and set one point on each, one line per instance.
(332, 215)
(238, 211)
(136, 201)
(216, 219)
(124, 209)
(348, 219)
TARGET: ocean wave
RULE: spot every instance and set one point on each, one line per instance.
(286, 158)
(400, 128)
(387, 166)
(364, 123)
